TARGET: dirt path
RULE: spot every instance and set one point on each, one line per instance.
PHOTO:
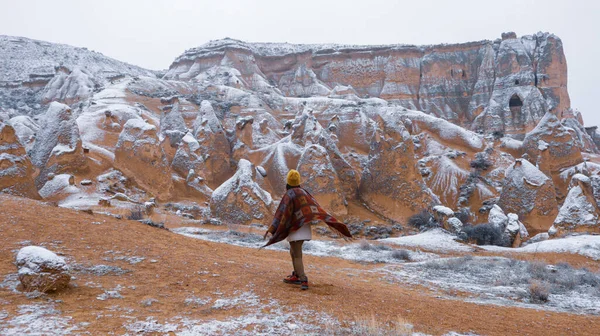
(176, 267)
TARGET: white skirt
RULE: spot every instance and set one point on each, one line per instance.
(303, 233)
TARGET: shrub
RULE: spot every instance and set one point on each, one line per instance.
(401, 255)
(498, 135)
(480, 162)
(422, 220)
(485, 234)
(365, 245)
(538, 292)
(464, 215)
(136, 214)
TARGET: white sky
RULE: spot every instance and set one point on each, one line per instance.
(152, 33)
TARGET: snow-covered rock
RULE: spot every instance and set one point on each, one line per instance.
(58, 187)
(552, 145)
(497, 217)
(42, 270)
(240, 200)
(213, 146)
(530, 194)
(579, 211)
(58, 148)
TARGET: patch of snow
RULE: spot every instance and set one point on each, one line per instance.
(37, 319)
(433, 240)
(585, 245)
(443, 210)
(322, 248)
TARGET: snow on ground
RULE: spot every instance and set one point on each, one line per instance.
(37, 319)
(504, 281)
(360, 252)
(257, 317)
(585, 245)
(433, 240)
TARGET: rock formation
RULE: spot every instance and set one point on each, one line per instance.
(391, 183)
(530, 194)
(16, 171)
(58, 147)
(240, 200)
(456, 82)
(321, 180)
(579, 211)
(394, 129)
(215, 148)
(552, 145)
(139, 156)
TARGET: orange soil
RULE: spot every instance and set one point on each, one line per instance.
(185, 267)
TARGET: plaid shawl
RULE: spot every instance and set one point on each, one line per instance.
(298, 207)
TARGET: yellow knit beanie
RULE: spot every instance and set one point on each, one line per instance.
(293, 178)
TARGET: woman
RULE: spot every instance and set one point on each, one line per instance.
(292, 221)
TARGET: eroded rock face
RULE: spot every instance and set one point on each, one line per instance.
(530, 194)
(215, 148)
(16, 171)
(57, 146)
(579, 211)
(139, 156)
(321, 180)
(391, 183)
(240, 200)
(552, 145)
(42, 270)
(454, 82)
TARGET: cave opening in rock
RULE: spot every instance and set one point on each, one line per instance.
(517, 82)
(515, 103)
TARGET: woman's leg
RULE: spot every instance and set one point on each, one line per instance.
(296, 252)
(292, 255)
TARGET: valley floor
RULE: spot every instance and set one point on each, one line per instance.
(131, 278)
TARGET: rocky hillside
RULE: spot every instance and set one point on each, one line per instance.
(379, 133)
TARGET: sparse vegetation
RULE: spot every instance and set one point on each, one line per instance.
(536, 281)
(538, 292)
(401, 255)
(481, 162)
(422, 220)
(136, 214)
(372, 327)
(485, 234)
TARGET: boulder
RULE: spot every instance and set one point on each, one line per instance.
(497, 217)
(530, 194)
(59, 187)
(16, 171)
(579, 211)
(321, 180)
(515, 231)
(42, 270)
(240, 200)
(140, 156)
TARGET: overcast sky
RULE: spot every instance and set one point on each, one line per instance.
(151, 33)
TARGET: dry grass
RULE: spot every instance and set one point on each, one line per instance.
(372, 327)
(539, 292)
